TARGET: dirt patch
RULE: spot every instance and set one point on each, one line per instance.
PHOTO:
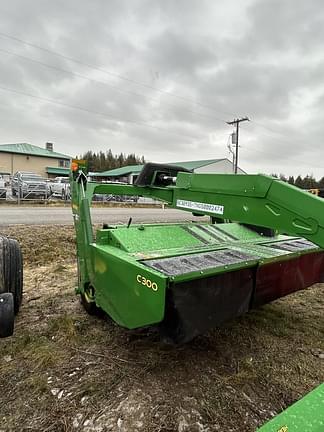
(41, 245)
(66, 371)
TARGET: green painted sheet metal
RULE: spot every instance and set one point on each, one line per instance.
(251, 199)
(184, 238)
(161, 243)
(134, 296)
(306, 415)
(239, 185)
(122, 256)
(258, 200)
(149, 238)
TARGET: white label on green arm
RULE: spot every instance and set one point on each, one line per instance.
(203, 207)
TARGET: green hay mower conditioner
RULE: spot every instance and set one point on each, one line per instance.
(189, 277)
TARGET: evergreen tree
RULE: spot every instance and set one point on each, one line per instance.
(299, 182)
(101, 161)
(309, 182)
(321, 183)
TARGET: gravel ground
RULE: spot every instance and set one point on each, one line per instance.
(63, 215)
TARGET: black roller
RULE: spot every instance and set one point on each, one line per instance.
(11, 270)
(7, 315)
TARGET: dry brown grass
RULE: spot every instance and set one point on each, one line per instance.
(66, 371)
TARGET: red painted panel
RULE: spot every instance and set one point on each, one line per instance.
(279, 279)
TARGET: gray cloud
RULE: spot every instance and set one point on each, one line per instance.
(262, 59)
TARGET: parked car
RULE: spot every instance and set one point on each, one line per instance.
(61, 187)
(3, 189)
(28, 184)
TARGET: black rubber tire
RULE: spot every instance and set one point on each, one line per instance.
(11, 270)
(91, 308)
(17, 272)
(7, 315)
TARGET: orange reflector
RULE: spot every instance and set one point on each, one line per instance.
(74, 166)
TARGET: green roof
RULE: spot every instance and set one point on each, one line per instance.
(135, 169)
(58, 171)
(191, 165)
(32, 150)
(120, 171)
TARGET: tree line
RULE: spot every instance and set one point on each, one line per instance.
(307, 182)
(104, 161)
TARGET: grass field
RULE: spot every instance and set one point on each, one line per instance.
(66, 371)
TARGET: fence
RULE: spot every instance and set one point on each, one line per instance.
(33, 195)
(46, 196)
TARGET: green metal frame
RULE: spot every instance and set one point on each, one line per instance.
(303, 416)
(252, 199)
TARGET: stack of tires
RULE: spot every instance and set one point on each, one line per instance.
(11, 284)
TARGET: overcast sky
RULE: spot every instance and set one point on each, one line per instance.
(160, 78)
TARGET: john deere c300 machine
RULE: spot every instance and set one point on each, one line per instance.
(264, 241)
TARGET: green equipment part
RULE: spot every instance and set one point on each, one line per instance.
(306, 415)
(188, 277)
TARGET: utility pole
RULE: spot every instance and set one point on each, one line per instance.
(236, 122)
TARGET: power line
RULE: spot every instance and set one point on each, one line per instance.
(253, 149)
(125, 92)
(171, 94)
(53, 101)
(279, 140)
(114, 88)
(267, 128)
(115, 75)
(119, 76)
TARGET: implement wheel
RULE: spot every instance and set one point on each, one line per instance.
(88, 302)
(7, 315)
(11, 270)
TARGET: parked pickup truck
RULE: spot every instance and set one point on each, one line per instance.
(60, 187)
(28, 185)
(3, 189)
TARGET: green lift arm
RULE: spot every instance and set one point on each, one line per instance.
(251, 199)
